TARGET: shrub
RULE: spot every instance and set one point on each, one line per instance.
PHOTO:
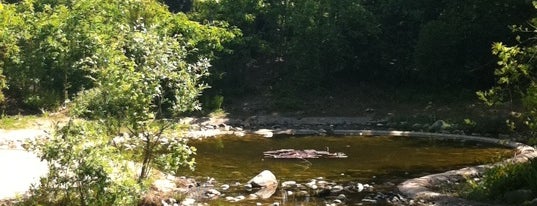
(501, 179)
(84, 169)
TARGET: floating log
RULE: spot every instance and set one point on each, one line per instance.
(302, 154)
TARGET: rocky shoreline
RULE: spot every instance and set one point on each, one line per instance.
(419, 191)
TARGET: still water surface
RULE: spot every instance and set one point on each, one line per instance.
(383, 161)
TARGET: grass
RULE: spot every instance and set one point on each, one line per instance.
(218, 113)
(19, 121)
(10, 122)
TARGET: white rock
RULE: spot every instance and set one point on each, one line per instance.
(225, 187)
(212, 193)
(312, 184)
(360, 187)
(188, 201)
(253, 197)
(288, 183)
(337, 188)
(263, 179)
(163, 185)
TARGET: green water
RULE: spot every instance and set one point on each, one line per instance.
(382, 161)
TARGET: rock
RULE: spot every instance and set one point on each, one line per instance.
(188, 201)
(312, 185)
(264, 179)
(288, 183)
(518, 196)
(211, 193)
(239, 133)
(172, 200)
(224, 187)
(336, 189)
(267, 191)
(439, 125)
(369, 200)
(240, 197)
(264, 132)
(531, 203)
(163, 185)
(303, 193)
(360, 187)
(417, 126)
(253, 197)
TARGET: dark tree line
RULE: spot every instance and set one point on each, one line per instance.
(281, 48)
(289, 46)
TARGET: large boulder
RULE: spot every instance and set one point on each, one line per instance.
(264, 179)
(267, 182)
(439, 126)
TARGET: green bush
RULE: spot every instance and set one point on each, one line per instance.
(505, 178)
(84, 169)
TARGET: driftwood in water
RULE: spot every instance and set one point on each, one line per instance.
(302, 154)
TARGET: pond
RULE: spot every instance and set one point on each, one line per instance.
(382, 162)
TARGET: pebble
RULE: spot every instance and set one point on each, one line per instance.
(288, 183)
(188, 201)
(369, 200)
(212, 193)
(225, 187)
(336, 189)
(360, 187)
(341, 197)
(253, 197)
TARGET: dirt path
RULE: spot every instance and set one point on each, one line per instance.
(20, 168)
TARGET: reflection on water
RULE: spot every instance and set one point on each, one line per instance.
(232, 158)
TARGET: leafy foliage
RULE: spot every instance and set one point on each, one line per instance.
(81, 174)
(48, 44)
(146, 79)
(516, 75)
(127, 66)
(516, 80)
(505, 178)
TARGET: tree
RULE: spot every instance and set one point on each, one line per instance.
(47, 41)
(129, 67)
(293, 44)
(452, 50)
(517, 74)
